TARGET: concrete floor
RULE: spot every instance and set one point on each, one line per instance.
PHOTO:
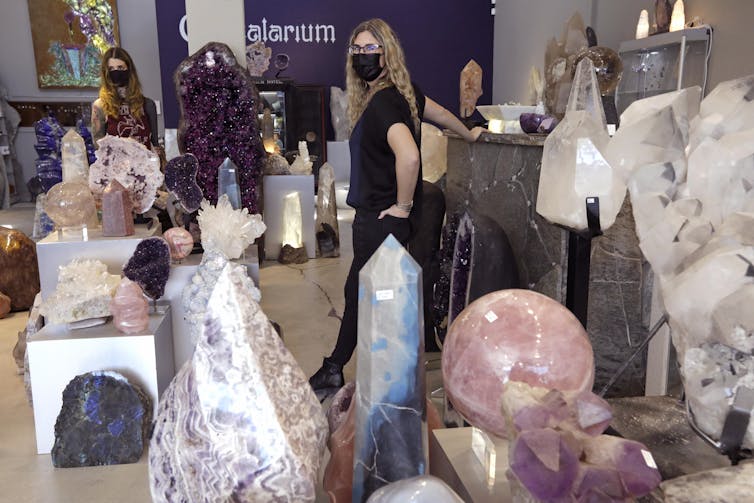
(306, 300)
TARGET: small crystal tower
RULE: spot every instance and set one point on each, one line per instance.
(227, 183)
(390, 399)
(117, 211)
(75, 159)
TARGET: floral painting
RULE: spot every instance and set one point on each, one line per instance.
(69, 38)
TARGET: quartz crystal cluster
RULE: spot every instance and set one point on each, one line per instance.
(218, 102)
(302, 164)
(227, 230)
(132, 164)
(239, 422)
(558, 452)
(574, 167)
(690, 173)
(84, 291)
(491, 343)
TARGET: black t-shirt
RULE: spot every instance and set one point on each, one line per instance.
(373, 184)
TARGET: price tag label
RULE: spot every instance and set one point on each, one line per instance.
(384, 295)
(648, 459)
(490, 316)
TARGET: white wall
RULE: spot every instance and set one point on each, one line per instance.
(138, 35)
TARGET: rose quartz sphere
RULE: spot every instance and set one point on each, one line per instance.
(518, 335)
(180, 241)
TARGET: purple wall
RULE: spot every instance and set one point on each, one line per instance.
(438, 36)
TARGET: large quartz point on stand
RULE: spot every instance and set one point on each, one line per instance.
(573, 164)
(390, 375)
(227, 183)
(292, 250)
(328, 236)
(75, 159)
(239, 422)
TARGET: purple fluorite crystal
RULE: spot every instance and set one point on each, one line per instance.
(149, 266)
(180, 179)
(218, 103)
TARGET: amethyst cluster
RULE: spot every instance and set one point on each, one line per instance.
(149, 266)
(218, 103)
(49, 163)
(558, 452)
(180, 179)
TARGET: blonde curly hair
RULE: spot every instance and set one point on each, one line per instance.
(397, 74)
(108, 93)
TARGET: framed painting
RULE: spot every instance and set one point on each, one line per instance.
(69, 39)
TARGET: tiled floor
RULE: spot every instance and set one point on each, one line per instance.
(306, 300)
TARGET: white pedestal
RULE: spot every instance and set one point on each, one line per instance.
(57, 355)
(276, 187)
(180, 276)
(339, 156)
(452, 459)
(113, 251)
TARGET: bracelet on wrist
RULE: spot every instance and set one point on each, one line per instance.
(405, 206)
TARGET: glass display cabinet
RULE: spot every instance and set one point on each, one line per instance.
(276, 95)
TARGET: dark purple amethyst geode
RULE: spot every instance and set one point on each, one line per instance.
(180, 179)
(149, 266)
(218, 103)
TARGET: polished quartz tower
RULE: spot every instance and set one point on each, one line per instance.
(390, 379)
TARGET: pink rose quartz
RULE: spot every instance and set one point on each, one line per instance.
(180, 242)
(516, 335)
(117, 211)
(129, 308)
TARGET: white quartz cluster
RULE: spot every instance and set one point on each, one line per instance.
(690, 172)
(84, 291)
(227, 230)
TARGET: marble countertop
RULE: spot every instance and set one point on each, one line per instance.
(528, 140)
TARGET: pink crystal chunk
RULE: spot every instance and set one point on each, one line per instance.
(180, 242)
(117, 211)
(517, 335)
(129, 308)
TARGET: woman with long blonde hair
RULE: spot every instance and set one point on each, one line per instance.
(385, 110)
(121, 109)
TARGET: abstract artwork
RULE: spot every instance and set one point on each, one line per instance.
(69, 37)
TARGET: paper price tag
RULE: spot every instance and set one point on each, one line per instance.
(384, 295)
(490, 316)
(648, 459)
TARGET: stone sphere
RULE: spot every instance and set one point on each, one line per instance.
(517, 335)
(607, 65)
(180, 241)
(70, 204)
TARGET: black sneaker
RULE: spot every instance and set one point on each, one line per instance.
(327, 380)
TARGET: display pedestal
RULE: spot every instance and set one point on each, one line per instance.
(52, 252)
(452, 458)
(276, 187)
(57, 355)
(339, 157)
(180, 276)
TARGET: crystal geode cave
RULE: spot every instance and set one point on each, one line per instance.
(239, 422)
(135, 166)
(104, 420)
(227, 230)
(491, 343)
(149, 266)
(180, 179)
(218, 103)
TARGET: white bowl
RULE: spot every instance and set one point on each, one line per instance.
(505, 112)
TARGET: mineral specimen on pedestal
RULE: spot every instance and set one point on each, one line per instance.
(117, 211)
(268, 133)
(258, 58)
(573, 166)
(471, 87)
(149, 266)
(227, 230)
(292, 244)
(642, 25)
(663, 11)
(180, 241)
(135, 166)
(4, 305)
(558, 64)
(434, 153)
(84, 291)
(218, 106)
(74, 157)
(275, 164)
(302, 164)
(326, 226)
(129, 308)
(104, 420)
(227, 183)
(390, 377)
(19, 271)
(70, 204)
(196, 294)
(180, 179)
(421, 489)
(491, 343)
(339, 113)
(239, 422)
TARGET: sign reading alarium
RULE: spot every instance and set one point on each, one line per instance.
(271, 32)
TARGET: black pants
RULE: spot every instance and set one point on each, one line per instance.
(368, 234)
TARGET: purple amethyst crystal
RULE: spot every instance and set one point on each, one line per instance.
(149, 266)
(180, 179)
(530, 122)
(544, 463)
(218, 103)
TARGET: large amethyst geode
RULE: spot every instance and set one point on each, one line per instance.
(218, 103)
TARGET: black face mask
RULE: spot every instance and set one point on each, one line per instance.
(119, 77)
(367, 66)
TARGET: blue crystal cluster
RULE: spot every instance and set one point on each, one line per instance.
(49, 162)
(149, 266)
(84, 132)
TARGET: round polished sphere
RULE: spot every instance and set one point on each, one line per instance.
(518, 335)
